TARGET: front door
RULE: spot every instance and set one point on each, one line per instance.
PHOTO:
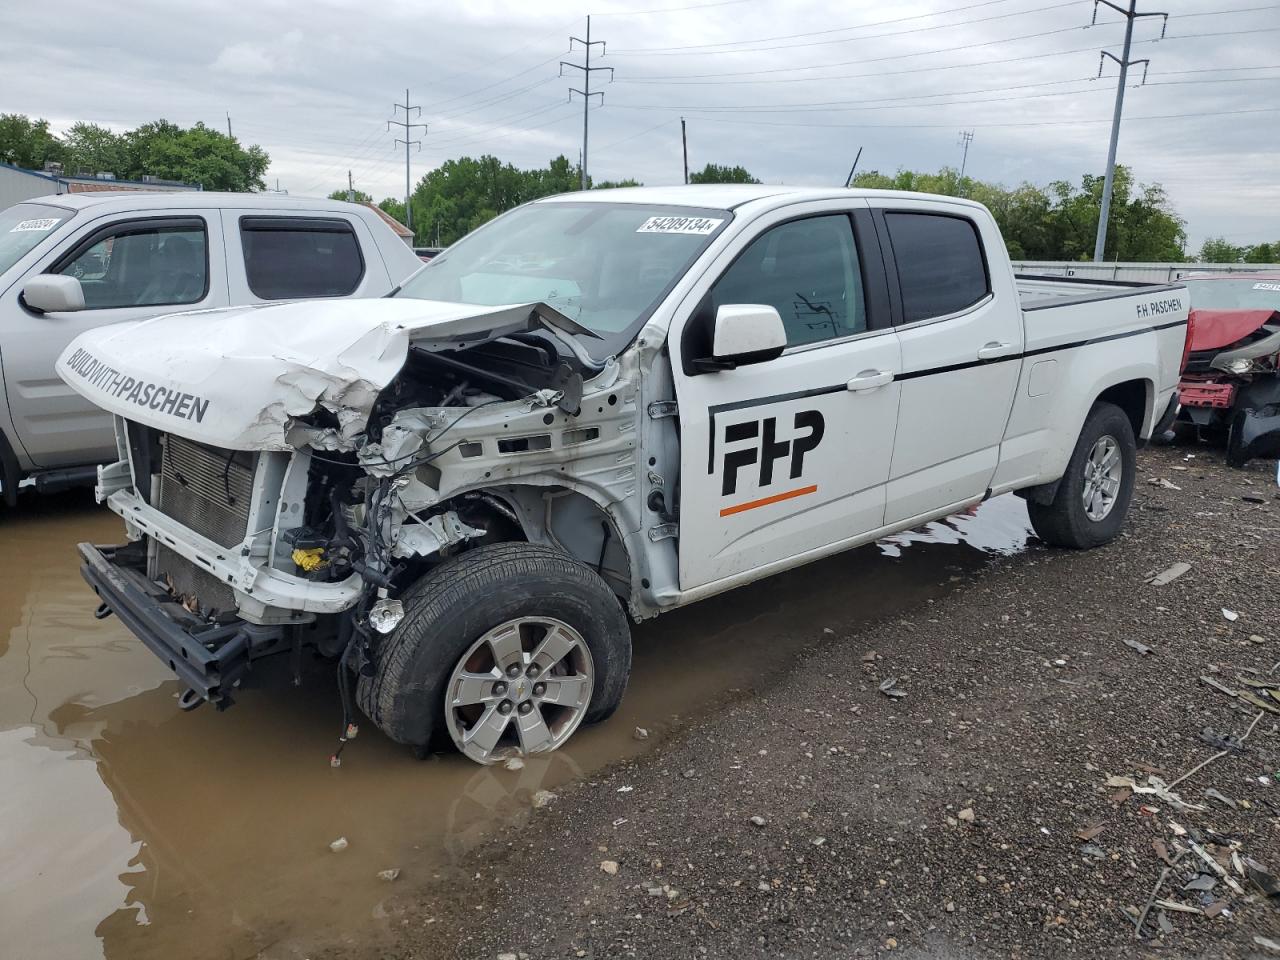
(129, 269)
(788, 456)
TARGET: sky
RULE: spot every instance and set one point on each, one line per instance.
(789, 90)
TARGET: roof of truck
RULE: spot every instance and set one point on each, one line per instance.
(111, 200)
(726, 196)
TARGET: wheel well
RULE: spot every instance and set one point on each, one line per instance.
(1131, 397)
(570, 522)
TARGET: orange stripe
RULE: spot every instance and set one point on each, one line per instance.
(765, 501)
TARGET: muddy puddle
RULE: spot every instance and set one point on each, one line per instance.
(131, 830)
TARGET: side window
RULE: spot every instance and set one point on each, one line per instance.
(142, 263)
(287, 258)
(940, 264)
(809, 271)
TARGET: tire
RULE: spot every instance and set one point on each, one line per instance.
(1236, 456)
(1065, 522)
(448, 610)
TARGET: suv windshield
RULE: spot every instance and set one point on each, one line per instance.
(1248, 294)
(25, 225)
(605, 265)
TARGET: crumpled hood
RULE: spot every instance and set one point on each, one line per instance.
(1215, 329)
(235, 378)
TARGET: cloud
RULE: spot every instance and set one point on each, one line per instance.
(898, 80)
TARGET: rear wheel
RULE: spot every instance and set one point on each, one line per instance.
(1093, 496)
(503, 651)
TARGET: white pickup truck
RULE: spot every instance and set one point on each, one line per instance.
(598, 405)
(77, 261)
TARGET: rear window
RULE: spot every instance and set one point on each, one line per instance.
(940, 264)
(288, 258)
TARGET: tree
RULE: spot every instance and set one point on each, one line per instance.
(715, 173)
(1263, 253)
(160, 149)
(27, 143)
(90, 148)
(1059, 221)
(1218, 250)
(467, 192)
(359, 196)
(614, 184)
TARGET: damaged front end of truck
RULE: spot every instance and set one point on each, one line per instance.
(266, 514)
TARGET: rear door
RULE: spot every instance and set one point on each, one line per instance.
(301, 256)
(131, 267)
(961, 347)
(786, 457)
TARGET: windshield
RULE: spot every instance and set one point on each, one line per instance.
(25, 225)
(1248, 294)
(605, 265)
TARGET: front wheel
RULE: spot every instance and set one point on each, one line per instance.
(505, 650)
(1093, 496)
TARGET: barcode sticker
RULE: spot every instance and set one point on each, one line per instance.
(41, 225)
(698, 226)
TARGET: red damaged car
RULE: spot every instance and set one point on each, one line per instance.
(1230, 389)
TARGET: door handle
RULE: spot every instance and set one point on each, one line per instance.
(869, 380)
(994, 350)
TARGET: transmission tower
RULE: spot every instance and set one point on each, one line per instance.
(586, 94)
(408, 142)
(1130, 15)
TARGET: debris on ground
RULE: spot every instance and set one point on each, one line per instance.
(1163, 483)
(758, 820)
(1138, 645)
(889, 687)
(339, 845)
(640, 733)
(1170, 575)
(542, 798)
(610, 867)
(1222, 741)
(513, 763)
(1226, 801)
(389, 875)
(967, 815)
(1230, 615)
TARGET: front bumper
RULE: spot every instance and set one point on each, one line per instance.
(258, 588)
(209, 658)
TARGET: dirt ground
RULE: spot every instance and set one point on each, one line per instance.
(816, 816)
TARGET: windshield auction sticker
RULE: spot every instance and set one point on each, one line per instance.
(41, 225)
(698, 226)
(1266, 286)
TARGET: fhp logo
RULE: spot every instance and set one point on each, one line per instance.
(768, 450)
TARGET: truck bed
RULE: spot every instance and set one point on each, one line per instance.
(1036, 291)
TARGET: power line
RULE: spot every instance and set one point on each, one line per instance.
(875, 36)
(1130, 15)
(704, 78)
(984, 126)
(586, 94)
(811, 33)
(694, 6)
(408, 141)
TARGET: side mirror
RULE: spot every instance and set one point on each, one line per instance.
(53, 293)
(745, 333)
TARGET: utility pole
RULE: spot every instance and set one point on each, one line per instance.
(229, 125)
(586, 94)
(351, 189)
(408, 142)
(1130, 15)
(684, 142)
(966, 138)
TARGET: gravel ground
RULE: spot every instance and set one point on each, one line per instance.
(947, 823)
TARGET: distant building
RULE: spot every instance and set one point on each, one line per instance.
(403, 232)
(18, 184)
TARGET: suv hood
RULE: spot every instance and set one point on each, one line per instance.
(1215, 329)
(235, 378)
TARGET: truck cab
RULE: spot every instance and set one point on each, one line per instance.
(76, 262)
(599, 406)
